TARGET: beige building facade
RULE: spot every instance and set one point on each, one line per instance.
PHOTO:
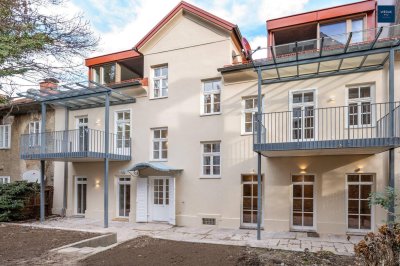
(190, 134)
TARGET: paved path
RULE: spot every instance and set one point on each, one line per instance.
(337, 244)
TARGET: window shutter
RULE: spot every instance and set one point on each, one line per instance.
(141, 199)
(8, 138)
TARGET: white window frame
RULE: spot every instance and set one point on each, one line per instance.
(303, 105)
(253, 111)
(5, 180)
(124, 122)
(160, 79)
(212, 154)
(6, 142)
(304, 228)
(359, 102)
(350, 230)
(122, 180)
(80, 180)
(160, 142)
(35, 128)
(216, 89)
(251, 225)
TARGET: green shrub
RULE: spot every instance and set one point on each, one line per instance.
(13, 198)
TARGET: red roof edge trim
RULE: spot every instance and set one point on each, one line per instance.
(107, 58)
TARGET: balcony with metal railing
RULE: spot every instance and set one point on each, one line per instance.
(74, 145)
(363, 128)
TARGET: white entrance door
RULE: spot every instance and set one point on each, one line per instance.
(80, 190)
(155, 199)
(160, 198)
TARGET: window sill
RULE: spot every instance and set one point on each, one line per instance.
(158, 160)
(210, 177)
(210, 114)
(158, 98)
(246, 134)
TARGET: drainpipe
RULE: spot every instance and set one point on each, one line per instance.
(106, 159)
(259, 120)
(391, 130)
(42, 163)
(65, 191)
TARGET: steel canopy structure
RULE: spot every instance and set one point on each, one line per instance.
(75, 96)
(354, 52)
(79, 95)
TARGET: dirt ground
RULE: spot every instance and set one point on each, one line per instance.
(149, 251)
(23, 245)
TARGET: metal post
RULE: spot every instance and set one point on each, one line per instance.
(391, 129)
(106, 146)
(65, 147)
(259, 120)
(42, 163)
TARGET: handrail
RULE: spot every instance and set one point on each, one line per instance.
(356, 121)
(83, 142)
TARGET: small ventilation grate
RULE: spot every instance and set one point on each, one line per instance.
(209, 221)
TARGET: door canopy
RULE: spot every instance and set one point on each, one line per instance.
(153, 169)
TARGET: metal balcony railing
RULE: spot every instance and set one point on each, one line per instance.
(69, 144)
(382, 37)
(357, 125)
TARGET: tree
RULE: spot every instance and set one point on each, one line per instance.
(38, 43)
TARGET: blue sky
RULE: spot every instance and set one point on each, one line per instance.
(121, 23)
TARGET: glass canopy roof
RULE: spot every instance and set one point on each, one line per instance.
(79, 95)
(329, 55)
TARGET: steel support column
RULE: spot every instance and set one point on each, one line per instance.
(106, 159)
(259, 121)
(391, 128)
(42, 163)
(65, 189)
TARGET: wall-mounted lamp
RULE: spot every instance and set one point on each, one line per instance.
(98, 122)
(332, 99)
(358, 170)
(97, 183)
(303, 171)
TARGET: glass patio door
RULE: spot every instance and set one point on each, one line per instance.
(124, 196)
(303, 209)
(83, 133)
(81, 191)
(249, 200)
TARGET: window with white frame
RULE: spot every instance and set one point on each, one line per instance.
(160, 144)
(105, 74)
(160, 82)
(211, 98)
(34, 130)
(249, 111)
(360, 106)
(359, 213)
(5, 136)
(123, 128)
(4, 179)
(303, 116)
(211, 159)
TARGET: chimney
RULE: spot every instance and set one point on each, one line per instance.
(48, 84)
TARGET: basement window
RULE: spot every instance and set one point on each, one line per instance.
(209, 221)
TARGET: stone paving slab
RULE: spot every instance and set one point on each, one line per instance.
(294, 241)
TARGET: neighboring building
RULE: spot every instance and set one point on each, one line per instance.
(20, 117)
(182, 152)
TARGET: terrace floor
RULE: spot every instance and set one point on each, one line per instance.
(292, 241)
